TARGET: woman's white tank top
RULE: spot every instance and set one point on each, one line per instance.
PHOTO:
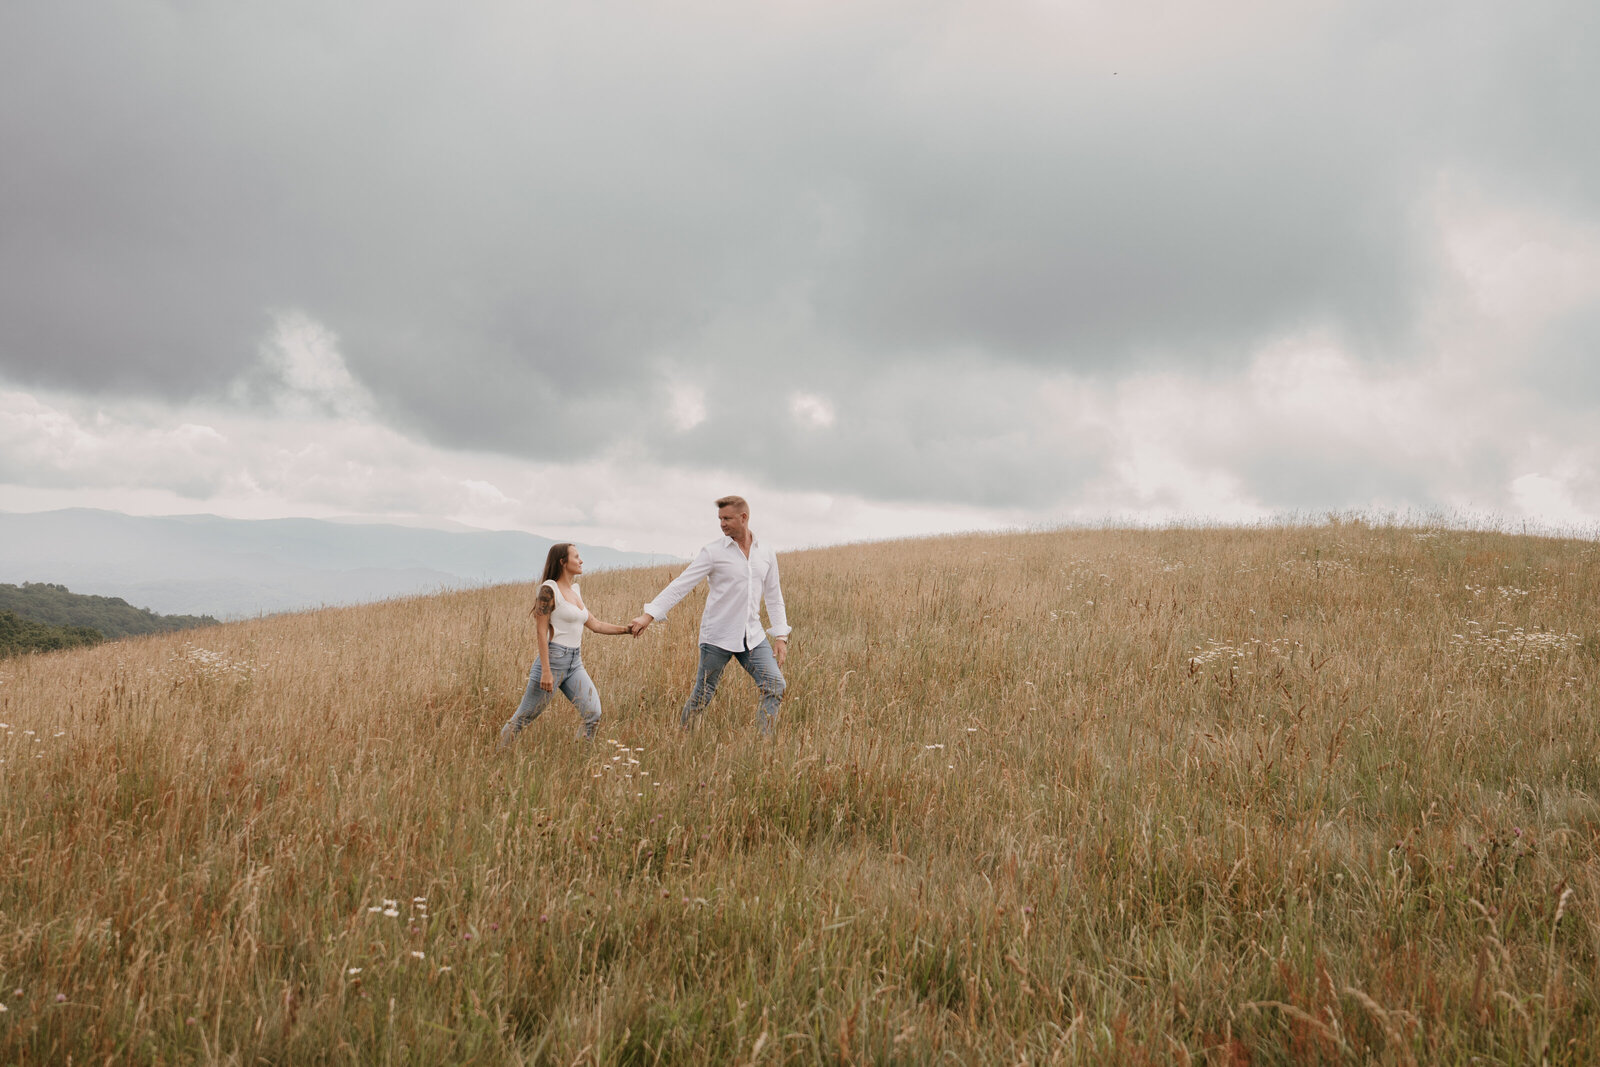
(566, 621)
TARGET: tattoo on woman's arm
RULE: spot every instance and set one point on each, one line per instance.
(546, 602)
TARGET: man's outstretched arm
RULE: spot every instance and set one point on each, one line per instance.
(675, 591)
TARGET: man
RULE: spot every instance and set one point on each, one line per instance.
(742, 572)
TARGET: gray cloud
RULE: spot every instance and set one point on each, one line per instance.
(1564, 363)
(521, 221)
(1296, 477)
(937, 429)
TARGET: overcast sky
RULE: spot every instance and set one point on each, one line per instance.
(884, 267)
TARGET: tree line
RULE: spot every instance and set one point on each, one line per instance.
(41, 616)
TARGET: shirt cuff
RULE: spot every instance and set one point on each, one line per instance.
(781, 634)
(654, 612)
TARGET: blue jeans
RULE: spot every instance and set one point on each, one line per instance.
(758, 662)
(566, 667)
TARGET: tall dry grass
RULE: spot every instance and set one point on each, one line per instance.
(1314, 794)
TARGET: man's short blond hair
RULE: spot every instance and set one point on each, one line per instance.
(733, 502)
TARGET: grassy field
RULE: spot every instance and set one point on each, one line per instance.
(1280, 795)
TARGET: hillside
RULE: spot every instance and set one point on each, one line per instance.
(113, 617)
(1299, 794)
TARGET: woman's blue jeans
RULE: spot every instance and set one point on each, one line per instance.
(566, 668)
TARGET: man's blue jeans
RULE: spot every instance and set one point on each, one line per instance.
(758, 662)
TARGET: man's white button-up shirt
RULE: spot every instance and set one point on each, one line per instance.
(732, 619)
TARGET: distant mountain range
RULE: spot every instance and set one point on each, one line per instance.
(235, 568)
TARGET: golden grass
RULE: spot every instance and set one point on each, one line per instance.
(1286, 795)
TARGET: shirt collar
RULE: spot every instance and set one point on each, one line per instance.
(728, 542)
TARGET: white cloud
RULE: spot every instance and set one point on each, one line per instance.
(1550, 501)
(55, 441)
(686, 406)
(811, 410)
(301, 371)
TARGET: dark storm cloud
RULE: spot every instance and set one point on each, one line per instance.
(517, 221)
(941, 429)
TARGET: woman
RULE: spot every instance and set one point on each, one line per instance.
(560, 618)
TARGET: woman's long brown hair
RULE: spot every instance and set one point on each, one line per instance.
(556, 561)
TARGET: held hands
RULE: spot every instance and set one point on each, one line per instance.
(638, 625)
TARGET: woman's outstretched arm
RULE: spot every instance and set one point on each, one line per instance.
(609, 629)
